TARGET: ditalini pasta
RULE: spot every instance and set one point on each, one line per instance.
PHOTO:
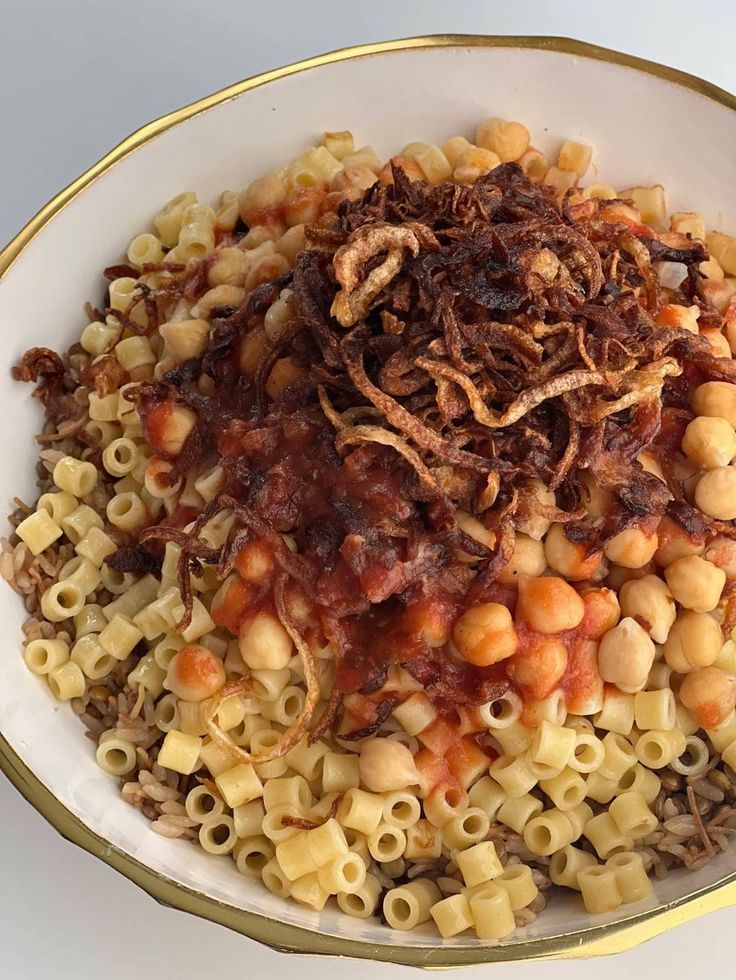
(385, 538)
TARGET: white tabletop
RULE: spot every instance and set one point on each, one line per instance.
(77, 76)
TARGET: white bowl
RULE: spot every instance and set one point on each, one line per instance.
(647, 124)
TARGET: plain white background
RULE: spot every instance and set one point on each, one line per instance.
(76, 77)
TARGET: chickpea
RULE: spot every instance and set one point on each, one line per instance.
(540, 666)
(568, 557)
(599, 501)
(283, 374)
(252, 349)
(303, 205)
(632, 547)
(715, 493)
(684, 317)
(709, 442)
(536, 526)
(674, 543)
(695, 583)
(485, 634)
(711, 693)
(508, 139)
(264, 643)
(427, 619)
(625, 656)
(195, 673)
(716, 399)
(167, 427)
(722, 552)
(549, 605)
(385, 765)
(474, 529)
(527, 559)
(618, 576)
(717, 341)
(261, 198)
(255, 562)
(602, 612)
(651, 604)
(695, 640)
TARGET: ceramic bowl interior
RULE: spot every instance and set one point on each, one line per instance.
(644, 129)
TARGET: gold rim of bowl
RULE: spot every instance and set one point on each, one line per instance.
(594, 940)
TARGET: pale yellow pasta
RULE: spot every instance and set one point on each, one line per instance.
(553, 745)
(452, 915)
(102, 408)
(343, 874)
(640, 780)
(275, 880)
(136, 355)
(248, 818)
(213, 755)
(326, 842)
(548, 832)
(518, 883)
(423, 841)
(120, 636)
(408, 906)
(217, 835)
(288, 791)
(42, 656)
(551, 708)
(386, 843)
(513, 775)
(617, 713)
(120, 457)
(488, 795)
(631, 879)
(655, 709)
(78, 524)
(38, 530)
(478, 863)
(632, 815)
(75, 476)
(286, 707)
(89, 619)
(306, 759)
(729, 755)
(694, 758)
(605, 835)
(148, 675)
(66, 681)
(415, 713)
(127, 512)
(466, 829)
(115, 755)
(565, 864)
(599, 889)
(252, 854)
(201, 804)
(295, 856)
(239, 785)
(588, 752)
(502, 711)
(619, 755)
(136, 596)
(190, 718)
(514, 739)
(166, 649)
(102, 433)
(209, 485)
(61, 601)
(166, 713)
(180, 752)
(361, 904)
(566, 790)
(58, 505)
(100, 338)
(144, 249)
(578, 818)
(95, 546)
(517, 812)
(491, 912)
(81, 572)
(443, 804)
(600, 789)
(339, 772)
(656, 749)
(400, 808)
(94, 661)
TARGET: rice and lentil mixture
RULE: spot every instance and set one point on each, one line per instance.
(386, 534)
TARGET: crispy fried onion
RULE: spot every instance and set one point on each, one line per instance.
(300, 727)
(356, 298)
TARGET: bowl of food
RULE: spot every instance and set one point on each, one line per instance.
(374, 519)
